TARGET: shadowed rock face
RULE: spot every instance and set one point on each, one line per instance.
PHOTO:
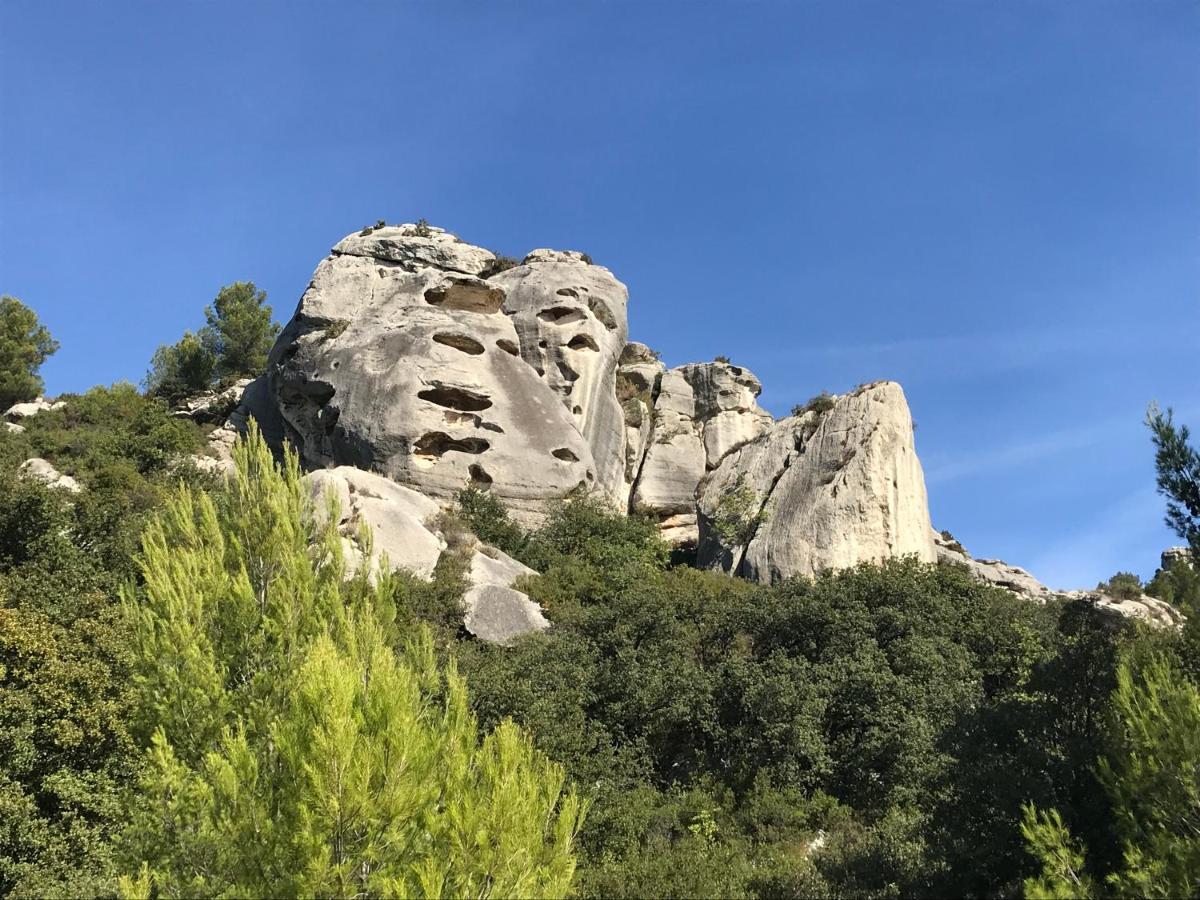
(570, 317)
(824, 490)
(395, 365)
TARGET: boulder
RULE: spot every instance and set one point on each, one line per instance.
(492, 566)
(40, 470)
(500, 615)
(13, 428)
(393, 364)
(825, 489)
(32, 408)
(570, 318)
(395, 516)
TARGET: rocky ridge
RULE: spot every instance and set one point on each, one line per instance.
(417, 364)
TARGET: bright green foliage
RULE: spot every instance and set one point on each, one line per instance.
(182, 369)
(1151, 774)
(1177, 463)
(25, 344)
(1063, 876)
(239, 322)
(291, 750)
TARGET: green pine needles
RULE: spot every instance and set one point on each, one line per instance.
(291, 748)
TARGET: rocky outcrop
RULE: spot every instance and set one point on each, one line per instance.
(701, 413)
(380, 520)
(13, 428)
(19, 411)
(1017, 581)
(40, 470)
(829, 488)
(400, 360)
(570, 317)
(638, 374)
(212, 407)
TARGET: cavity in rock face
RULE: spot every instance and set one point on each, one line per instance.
(821, 490)
(570, 317)
(395, 361)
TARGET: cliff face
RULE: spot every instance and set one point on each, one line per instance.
(421, 359)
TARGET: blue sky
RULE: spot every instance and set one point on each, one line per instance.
(996, 204)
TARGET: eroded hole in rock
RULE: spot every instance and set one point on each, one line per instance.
(562, 315)
(564, 454)
(508, 347)
(567, 372)
(469, 296)
(460, 342)
(568, 292)
(479, 477)
(578, 410)
(455, 398)
(475, 421)
(583, 342)
(491, 426)
(436, 443)
(600, 309)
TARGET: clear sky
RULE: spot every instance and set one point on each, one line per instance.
(995, 203)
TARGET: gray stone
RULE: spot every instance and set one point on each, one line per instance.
(32, 408)
(418, 375)
(570, 318)
(820, 491)
(500, 615)
(13, 428)
(403, 244)
(492, 566)
(396, 518)
(40, 470)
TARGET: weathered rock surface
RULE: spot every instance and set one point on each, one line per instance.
(820, 490)
(213, 407)
(394, 365)
(40, 470)
(500, 615)
(401, 525)
(638, 375)
(395, 516)
(32, 408)
(13, 428)
(570, 317)
(415, 247)
(702, 412)
(1020, 582)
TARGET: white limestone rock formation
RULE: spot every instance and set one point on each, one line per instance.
(40, 470)
(823, 490)
(702, 412)
(570, 317)
(638, 376)
(212, 407)
(24, 410)
(399, 359)
(402, 526)
(13, 428)
(1015, 580)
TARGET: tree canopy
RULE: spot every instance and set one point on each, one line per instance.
(25, 343)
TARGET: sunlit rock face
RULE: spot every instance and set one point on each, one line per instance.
(399, 359)
(570, 317)
(822, 490)
(701, 413)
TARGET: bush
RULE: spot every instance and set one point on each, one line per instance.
(1123, 586)
(738, 514)
(820, 404)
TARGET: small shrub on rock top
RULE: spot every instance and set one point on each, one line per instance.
(502, 264)
(721, 359)
(819, 404)
(422, 229)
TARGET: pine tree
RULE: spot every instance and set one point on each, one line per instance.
(1151, 774)
(240, 329)
(1178, 467)
(182, 369)
(290, 749)
(25, 343)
